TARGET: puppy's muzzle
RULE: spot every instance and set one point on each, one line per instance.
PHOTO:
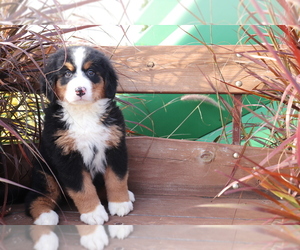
(80, 91)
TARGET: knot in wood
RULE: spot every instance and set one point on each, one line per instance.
(207, 156)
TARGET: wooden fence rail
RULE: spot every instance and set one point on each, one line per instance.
(183, 69)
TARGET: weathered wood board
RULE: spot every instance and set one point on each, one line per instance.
(183, 69)
(179, 167)
(164, 210)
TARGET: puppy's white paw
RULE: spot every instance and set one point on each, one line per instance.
(120, 231)
(131, 196)
(96, 240)
(96, 217)
(50, 218)
(47, 242)
(121, 208)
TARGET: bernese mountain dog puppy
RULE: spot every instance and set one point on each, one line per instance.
(83, 140)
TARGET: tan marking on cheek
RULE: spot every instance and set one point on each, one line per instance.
(60, 90)
(87, 199)
(36, 232)
(98, 91)
(115, 136)
(116, 188)
(70, 66)
(87, 65)
(65, 141)
(46, 203)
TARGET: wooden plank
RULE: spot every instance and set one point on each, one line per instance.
(178, 167)
(164, 210)
(185, 210)
(182, 69)
(208, 237)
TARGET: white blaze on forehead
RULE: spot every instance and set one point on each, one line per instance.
(78, 57)
(79, 79)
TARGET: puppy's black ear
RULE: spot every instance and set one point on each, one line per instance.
(47, 81)
(49, 76)
(110, 80)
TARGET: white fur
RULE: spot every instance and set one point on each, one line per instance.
(96, 217)
(121, 208)
(47, 242)
(89, 134)
(82, 116)
(78, 57)
(83, 82)
(120, 231)
(96, 240)
(131, 196)
(79, 80)
(50, 218)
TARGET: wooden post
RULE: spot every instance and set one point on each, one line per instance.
(236, 119)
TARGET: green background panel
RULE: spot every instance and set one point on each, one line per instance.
(165, 114)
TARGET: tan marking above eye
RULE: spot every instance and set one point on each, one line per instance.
(70, 66)
(87, 65)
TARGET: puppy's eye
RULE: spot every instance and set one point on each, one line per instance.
(68, 74)
(90, 72)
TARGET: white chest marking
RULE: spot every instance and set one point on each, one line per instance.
(89, 134)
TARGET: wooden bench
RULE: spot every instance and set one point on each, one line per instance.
(171, 178)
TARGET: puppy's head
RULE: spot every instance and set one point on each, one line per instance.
(79, 75)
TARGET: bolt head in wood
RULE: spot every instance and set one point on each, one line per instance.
(239, 83)
(236, 155)
(150, 64)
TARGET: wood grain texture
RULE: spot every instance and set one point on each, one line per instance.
(182, 69)
(167, 237)
(179, 167)
(166, 210)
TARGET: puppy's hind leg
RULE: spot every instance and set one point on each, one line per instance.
(39, 206)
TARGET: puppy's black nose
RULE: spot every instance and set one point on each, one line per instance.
(80, 91)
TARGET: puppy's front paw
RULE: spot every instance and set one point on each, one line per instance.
(50, 218)
(121, 208)
(95, 240)
(120, 231)
(47, 242)
(131, 196)
(96, 217)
